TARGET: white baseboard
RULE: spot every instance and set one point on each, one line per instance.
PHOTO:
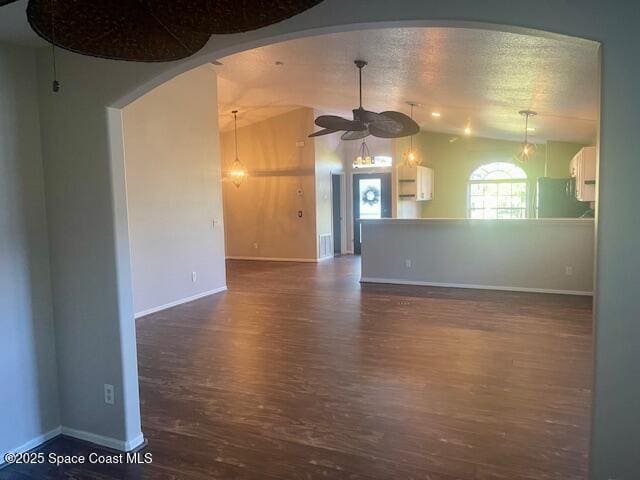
(31, 444)
(179, 302)
(324, 259)
(115, 444)
(109, 442)
(275, 259)
(395, 281)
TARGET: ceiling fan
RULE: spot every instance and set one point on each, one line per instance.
(389, 124)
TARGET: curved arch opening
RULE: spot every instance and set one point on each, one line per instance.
(267, 97)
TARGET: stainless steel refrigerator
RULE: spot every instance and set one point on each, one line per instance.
(556, 198)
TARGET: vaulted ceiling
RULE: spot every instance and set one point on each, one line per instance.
(472, 77)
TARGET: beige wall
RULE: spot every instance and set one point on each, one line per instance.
(172, 158)
(454, 160)
(261, 216)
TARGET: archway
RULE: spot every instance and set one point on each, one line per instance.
(80, 172)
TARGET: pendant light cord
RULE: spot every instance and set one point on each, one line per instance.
(360, 82)
(235, 130)
(55, 84)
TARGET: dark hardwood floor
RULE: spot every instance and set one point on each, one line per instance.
(299, 372)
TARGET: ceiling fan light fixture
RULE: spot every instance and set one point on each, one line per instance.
(388, 124)
(364, 158)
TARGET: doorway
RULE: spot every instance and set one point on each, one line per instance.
(371, 199)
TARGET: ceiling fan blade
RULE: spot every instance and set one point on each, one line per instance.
(357, 135)
(334, 122)
(324, 131)
(378, 131)
(409, 126)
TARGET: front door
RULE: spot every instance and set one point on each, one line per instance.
(371, 199)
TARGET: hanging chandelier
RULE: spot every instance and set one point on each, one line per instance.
(238, 171)
(410, 157)
(364, 158)
(528, 149)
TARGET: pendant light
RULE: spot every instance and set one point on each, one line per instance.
(364, 158)
(238, 172)
(528, 149)
(410, 157)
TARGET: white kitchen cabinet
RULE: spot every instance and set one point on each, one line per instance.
(583, 168)
(415, 183)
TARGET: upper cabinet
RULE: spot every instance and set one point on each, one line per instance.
(415, 183)
(583, 169)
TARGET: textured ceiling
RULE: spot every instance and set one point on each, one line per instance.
(479, 78)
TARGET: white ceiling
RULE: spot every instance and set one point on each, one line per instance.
(473, 77)
(14, 27)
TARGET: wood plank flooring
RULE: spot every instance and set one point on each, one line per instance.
(299, 372)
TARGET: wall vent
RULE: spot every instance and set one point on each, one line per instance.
(325, 245)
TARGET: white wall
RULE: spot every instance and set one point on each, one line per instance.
(501, 254)
(172, 162)
(28, 394)
(84, 196)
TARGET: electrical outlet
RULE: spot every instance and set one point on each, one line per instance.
(568, 270)
(255, 245)
(194, 277)
(407, 263)
(109, 397)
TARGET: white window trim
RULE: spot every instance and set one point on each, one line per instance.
(524, 181)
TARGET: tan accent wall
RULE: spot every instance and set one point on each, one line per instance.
(261, 216)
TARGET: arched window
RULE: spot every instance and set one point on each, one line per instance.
(497, 190)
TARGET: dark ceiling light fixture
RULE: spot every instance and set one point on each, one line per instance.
(227, 16)
(151, 30)
(113, 29)
(389, 124)
(528, 149)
